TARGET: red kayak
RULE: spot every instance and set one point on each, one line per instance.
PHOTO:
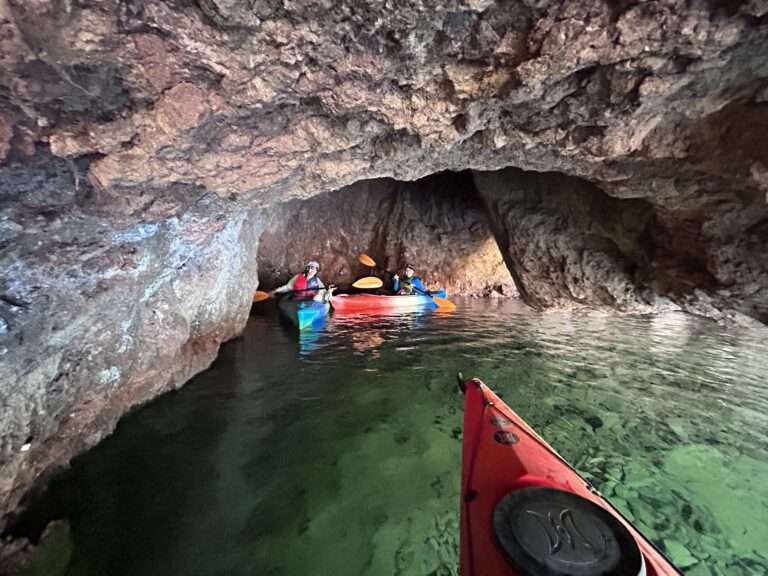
(382, 303)
(527, 512)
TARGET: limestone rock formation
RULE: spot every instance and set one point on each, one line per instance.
(437, 224)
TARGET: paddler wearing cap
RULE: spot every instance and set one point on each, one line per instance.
(409, 284)
(306, 285)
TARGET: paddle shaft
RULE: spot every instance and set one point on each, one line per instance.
(342, 287)
(304, 290)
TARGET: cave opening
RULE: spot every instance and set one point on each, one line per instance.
(439, 224)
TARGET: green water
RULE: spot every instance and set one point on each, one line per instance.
(338, 454)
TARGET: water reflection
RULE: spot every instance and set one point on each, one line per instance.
(338, 452)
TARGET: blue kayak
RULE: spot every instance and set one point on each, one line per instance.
(304, 314)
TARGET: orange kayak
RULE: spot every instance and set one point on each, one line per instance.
(526, 512)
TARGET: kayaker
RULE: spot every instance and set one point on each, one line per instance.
(410, 284)
(307, 285)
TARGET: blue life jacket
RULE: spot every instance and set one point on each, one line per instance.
(412, 285)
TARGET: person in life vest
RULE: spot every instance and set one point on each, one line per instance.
(307, 285)
(409, 284)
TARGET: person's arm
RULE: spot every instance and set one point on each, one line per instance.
(287, 287)
(325, 295)
(396, 283)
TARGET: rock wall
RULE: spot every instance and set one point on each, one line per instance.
(565, 240)
(99, 314)
(272, 100)
(261, 102)
(438, 224)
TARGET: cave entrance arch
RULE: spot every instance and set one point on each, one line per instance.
(438, 223)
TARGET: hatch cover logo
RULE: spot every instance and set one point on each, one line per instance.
(566, 539)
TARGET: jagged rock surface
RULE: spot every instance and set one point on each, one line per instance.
(565, 240)
(267, 101)
(588, 246)
(98, 315)
(437, 224)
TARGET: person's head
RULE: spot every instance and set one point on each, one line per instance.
(409, 271)
(311, 268)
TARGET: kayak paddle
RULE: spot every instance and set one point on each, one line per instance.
(368, 283)
(442, 303)
(366, 260)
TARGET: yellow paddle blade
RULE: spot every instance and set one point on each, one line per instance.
(260, 296)
(368, 282)
(444, 304)
(366, 260)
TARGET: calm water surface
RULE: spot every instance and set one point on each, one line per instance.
(337, 452)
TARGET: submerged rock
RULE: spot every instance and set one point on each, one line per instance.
(739, 513)
(679, 554)
(49, 557)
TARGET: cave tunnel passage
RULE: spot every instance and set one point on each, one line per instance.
(438, 224)
(550, 238)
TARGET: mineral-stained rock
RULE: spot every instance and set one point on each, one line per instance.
(295, 98)
(263, 102)
(661, 102)
(437, 224)
(101, 314)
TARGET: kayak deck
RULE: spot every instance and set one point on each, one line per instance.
(382, 303)
(304, 314)
(503, 460)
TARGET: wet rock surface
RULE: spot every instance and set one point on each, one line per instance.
(437, 224)
(100, 314)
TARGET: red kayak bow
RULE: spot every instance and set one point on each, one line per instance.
(526, 512)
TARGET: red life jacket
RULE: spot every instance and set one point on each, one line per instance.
(302, 284)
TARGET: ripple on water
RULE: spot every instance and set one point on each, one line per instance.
(338, 452)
